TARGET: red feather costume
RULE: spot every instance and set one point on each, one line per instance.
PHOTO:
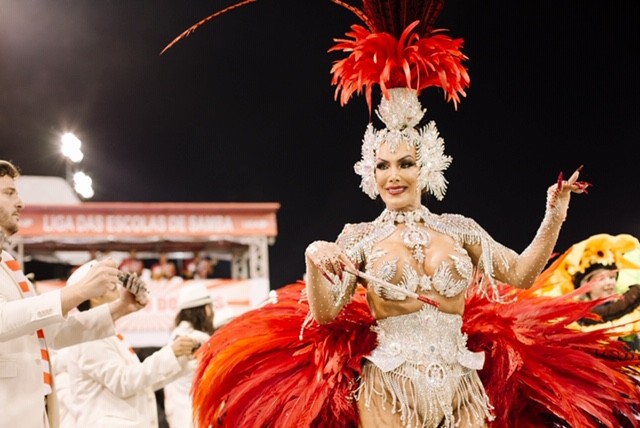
(263, 369)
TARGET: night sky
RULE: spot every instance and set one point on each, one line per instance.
(243, 110)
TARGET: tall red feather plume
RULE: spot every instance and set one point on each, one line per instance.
(394, 16)
(399, 48)
(200, 23)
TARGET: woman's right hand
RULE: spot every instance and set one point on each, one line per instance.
(328, 258)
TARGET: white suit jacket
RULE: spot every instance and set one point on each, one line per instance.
(111, 388)
(20, 357)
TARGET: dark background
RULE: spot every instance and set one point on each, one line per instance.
(243, 110)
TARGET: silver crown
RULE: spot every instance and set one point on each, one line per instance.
(401, 113)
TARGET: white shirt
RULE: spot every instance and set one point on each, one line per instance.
(178, 406)
(111, 388)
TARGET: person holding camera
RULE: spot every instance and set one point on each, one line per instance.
(33, 325)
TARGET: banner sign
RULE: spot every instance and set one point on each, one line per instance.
(150, 219)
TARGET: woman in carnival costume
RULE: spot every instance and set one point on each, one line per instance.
(396, 317)
(592, 267)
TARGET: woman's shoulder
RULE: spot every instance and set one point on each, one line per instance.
(353, 234)
(355, 230)
(458, 225)
(453, 219)
(357, 227)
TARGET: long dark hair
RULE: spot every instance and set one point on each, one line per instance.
(197, 317)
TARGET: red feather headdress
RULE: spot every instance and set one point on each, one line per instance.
(398, 48)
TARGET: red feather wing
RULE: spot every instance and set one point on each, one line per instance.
(541, 370)
(260, 371)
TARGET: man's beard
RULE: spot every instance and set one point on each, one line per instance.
(11, 229)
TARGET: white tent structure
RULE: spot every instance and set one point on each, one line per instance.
(45, 190)
(55, 226)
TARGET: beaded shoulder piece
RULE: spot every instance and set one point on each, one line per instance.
(357, 239)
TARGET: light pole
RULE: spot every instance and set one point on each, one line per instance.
(70, 146)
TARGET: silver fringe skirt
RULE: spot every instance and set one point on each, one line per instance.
(422, 369)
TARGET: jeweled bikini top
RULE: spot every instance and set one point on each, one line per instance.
(452, 276)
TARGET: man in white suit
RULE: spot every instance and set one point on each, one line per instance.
(31, 323)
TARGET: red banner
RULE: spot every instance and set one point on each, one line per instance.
(150, 219)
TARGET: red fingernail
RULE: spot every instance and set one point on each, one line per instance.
(583, 185)
(560, 178)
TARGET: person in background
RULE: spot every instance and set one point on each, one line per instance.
(205, 268)
(191, 266)
(164, 268)
(592, 265)
(620, 313)
(32, 324)
(112, 388)
(132, 264)
(199, 267)
(194, 320)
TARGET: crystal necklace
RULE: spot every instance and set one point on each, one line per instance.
(414, 237)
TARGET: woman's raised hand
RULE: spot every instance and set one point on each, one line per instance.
(559, 194)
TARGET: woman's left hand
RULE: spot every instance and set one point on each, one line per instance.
(559, 194)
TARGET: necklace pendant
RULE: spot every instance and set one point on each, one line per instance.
(413, 236)
(416, 239)
(418, 254)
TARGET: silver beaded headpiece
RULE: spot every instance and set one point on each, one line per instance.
(401, 112)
